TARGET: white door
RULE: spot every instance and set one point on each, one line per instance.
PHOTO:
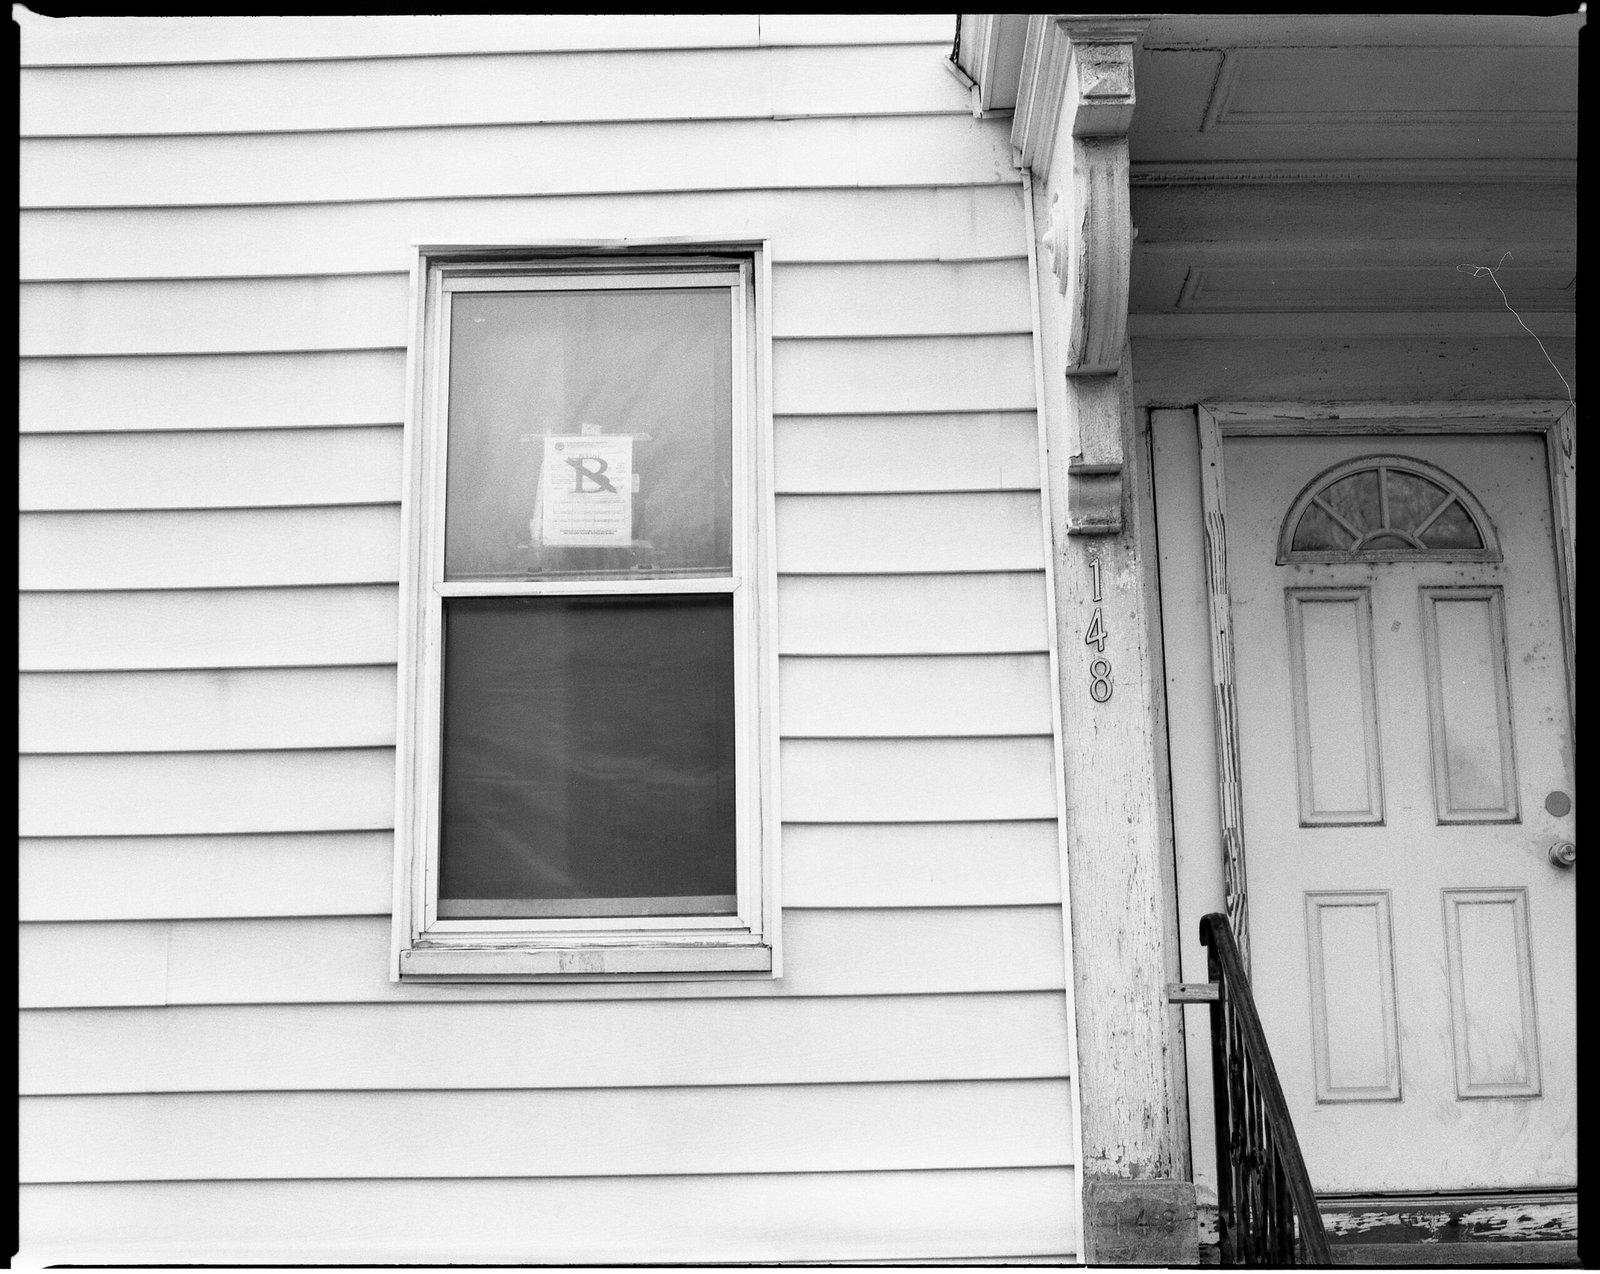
(1406, 769)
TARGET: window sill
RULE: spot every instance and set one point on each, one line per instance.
(526, 963)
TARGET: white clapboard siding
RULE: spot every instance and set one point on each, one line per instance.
(965, 865)
(912, 614)
(166, 793)
(729, 1217)
(580, 1132)
(874, 223)
(221, 628)
(547, 1045)
(900, 298)
(907, 374)
(909, 533)
(362, 311)
(178, 40)
(924, 695)
(343, 960)
(210, 548)
(197, 711)
(962, 451)
(223, 391)
(145, 877)
(873, 865)
(247, 468)
(511, 88)
(342, 312)
(514, 160)
(917, 780)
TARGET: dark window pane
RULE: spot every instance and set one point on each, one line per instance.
(1318, 532)
(588, 756)
(1411, 499)
(1453, 529)
(590, 432)
(1355, 499)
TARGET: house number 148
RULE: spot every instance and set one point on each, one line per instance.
(1100, 684)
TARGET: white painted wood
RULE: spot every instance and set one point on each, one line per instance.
(955, 452)
(1493, 1142)
(1356, 1036)
(909, 534)
(783, 1217)
(213, 710)
(211, 548)
(967, 373)
(178, 40)
(150, 877)
(920, 864)
(324, 94)
(582, 1132)
(1338, 766)
(901, 299)
(927, 695)
(572, 1045)
(869, 615)
(917, 780)
(224, 391)
(870, 223)
(368, 311)
(336, 960)
(252, 468)
(219, 628)
(1493, 1016)
(1469, 712)
(574, 158)
(163, 793)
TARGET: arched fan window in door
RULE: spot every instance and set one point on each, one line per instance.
(1386, 509)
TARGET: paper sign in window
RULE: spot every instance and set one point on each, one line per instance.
(586, 491)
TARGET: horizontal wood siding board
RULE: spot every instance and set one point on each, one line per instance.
(871, 223)
(925, 695)
(343, 960)
(209, 548)
(365, 387)
(221, 628)
(489, 89)
(888, 615)
(370, 311)
(870, 866)
(739, 1217)
(596, 1044)
(964, 451)
(917, 780)
(577, 1132)
(223, 391)
(206, 792)
(909, 533)
(247, 468)
(221, 710)
(181, 877)
(135, 41)
(514, 160)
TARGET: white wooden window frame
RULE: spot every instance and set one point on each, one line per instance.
(428, 948)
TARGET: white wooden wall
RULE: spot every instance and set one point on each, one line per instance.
(218, 217)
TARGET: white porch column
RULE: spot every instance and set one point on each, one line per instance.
(1075, 103)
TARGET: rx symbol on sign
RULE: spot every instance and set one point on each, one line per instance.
(580, 471)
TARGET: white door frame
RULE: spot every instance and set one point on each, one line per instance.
(1218, 421)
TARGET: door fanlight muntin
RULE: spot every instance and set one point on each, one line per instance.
(1386, 540)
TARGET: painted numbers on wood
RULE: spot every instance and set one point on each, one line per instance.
(1100, 682)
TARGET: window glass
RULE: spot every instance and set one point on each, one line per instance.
(588, 760)
(590, 433)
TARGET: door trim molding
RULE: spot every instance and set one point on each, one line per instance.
(1222, 420)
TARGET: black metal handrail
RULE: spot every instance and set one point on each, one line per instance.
(1266, 1212)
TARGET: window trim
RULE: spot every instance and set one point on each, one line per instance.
(426, 948)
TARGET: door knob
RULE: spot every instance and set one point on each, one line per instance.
(1563, 853)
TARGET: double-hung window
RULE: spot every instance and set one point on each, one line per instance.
(585, 745)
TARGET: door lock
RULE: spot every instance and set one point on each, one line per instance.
(1563, 853)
